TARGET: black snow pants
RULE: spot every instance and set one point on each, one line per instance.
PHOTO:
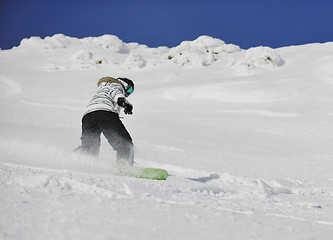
(108, 123)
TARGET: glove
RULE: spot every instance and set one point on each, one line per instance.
(128, 108)
(122, 102)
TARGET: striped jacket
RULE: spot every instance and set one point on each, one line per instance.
(106, 98)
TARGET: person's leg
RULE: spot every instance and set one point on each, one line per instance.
(118, 137)
(91, 132)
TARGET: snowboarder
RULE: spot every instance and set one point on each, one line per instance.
(102, 116)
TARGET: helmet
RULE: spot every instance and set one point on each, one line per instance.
(129, 85)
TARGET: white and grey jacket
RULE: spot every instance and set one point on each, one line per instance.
(106, 98)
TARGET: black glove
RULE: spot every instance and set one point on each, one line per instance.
(122, 102)
(128, 108)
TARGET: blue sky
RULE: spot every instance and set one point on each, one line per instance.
(247, 23)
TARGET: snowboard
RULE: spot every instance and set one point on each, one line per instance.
(148, 173)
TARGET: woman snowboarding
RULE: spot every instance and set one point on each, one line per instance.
(102, 116)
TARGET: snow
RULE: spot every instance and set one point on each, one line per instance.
(246, 136)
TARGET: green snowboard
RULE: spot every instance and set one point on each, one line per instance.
(148, 173)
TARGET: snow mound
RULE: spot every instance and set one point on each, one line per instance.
(110, 51)
(134, 62)
(107, 42)
(201, 52)
(57, 41)
(84, 59)
(8, 88)
(110, 43)
(260, 57)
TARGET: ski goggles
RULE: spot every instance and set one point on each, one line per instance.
(128, 90)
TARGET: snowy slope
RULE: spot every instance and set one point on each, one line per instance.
(246, 136)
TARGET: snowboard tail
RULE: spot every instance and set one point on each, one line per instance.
(148, 173)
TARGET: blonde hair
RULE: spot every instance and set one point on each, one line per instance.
(109, 80)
